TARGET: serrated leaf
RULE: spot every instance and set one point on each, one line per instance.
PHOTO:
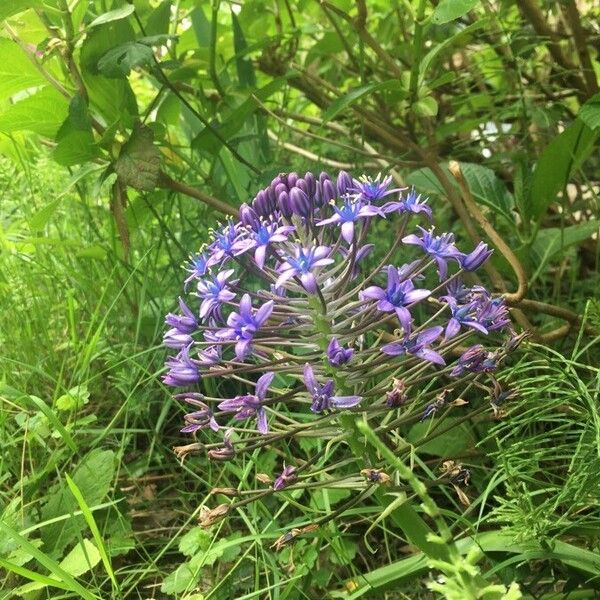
(449, 10)
(42, 112)
(138, 164)
(16, 71)
(113, 15)
(194, 540)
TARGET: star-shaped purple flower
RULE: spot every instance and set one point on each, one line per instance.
(261, 237)
(419, 345)
(440, 247)
(337, 355)
(411, 203)
(465, 315)
(322, 395)
(183, 370)
(351, 211)
(397, 295)
(371, 190)
(302, 265)
(214, 291)
(243, 326)
(251, 405)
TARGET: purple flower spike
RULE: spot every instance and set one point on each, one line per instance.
(183, 370)
(302, 265)
(396, 297)
(371, 190)
(286, 477)
(418, 346)
(351, 212)
(322, 395)
(251, 405)
(473, 260)
(337, 355)
(213, 293)
(440, 247)
(242, 326)
(412, 203)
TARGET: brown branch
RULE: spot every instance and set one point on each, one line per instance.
(167, 183)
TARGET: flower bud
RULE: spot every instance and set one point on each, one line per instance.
(284, 204)
(311, 184)
(343, 183)
(328, 192)
(291, 179)
(248, 215)
(299, 202)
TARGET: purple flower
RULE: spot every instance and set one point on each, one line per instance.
(285, 478)
(214, 292)
(251, 405)
(224, 245)
(185, 323)
(465, 315)
(475, 359)
(492, 313)
(174, 338)
(197, 268)
(199, 419)
(322, 395)
(302, 265)
(242, 326)
(473, 260)
(211, 355)
(337, 355)
(266, 234)
(349, 214)
(396, 296)
(412, 203)
(371, 190)
(418, 345)
(183, 370)
(440, 247)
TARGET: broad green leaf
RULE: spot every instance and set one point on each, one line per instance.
(93, 478)
(180, 580)
(589, 113)
(138, 164)
(42, 112)
(75, 137)
(552, 240)
(448, 10)
(113, 15)
(64, 579)
(74, 399)
(16, 71)
(224, 550)
(356, 94)
(158, 20)
(8, 8)
(113, 98)
(446, 445)
(41, 217)
(561, 157)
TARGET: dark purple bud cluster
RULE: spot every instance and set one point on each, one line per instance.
(307, 311)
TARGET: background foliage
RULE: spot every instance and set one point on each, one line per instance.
(128, 129)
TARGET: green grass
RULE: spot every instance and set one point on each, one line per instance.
(94, 503)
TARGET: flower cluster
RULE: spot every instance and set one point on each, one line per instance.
(303, 311)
